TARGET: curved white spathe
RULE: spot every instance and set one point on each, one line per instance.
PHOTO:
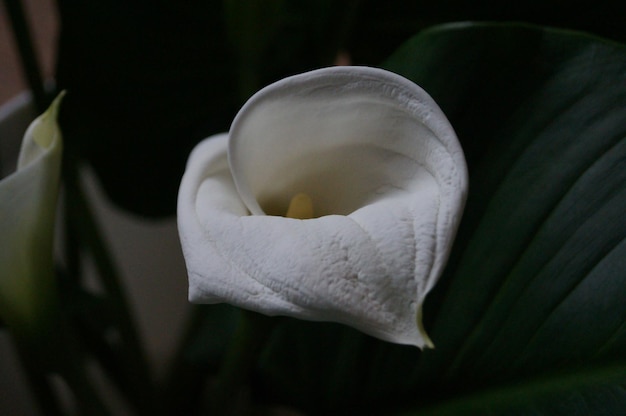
(388, 182)
(27, 213)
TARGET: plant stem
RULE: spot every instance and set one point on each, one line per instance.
(183, 384)
(251, 336)
(71, 367)
(54, 349)
(72, 243)
(87, 231)
(38, 382)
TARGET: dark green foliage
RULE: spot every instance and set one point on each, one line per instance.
(529, 317)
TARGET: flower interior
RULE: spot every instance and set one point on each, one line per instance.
(345, 144)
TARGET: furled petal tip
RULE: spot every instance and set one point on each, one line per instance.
(27, 213)
(385, 182)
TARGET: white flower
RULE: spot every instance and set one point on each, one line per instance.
(387, 180)
(27, 213)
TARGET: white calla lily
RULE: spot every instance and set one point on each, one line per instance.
(27, 213)
(387, 182)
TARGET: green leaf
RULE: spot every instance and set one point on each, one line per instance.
(379, 28)
(529, 317)
(536, 283)
(586, 392)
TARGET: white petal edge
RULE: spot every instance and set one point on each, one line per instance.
(369, 269)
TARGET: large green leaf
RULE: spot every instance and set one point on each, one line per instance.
(530, 315)
(540, 275)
